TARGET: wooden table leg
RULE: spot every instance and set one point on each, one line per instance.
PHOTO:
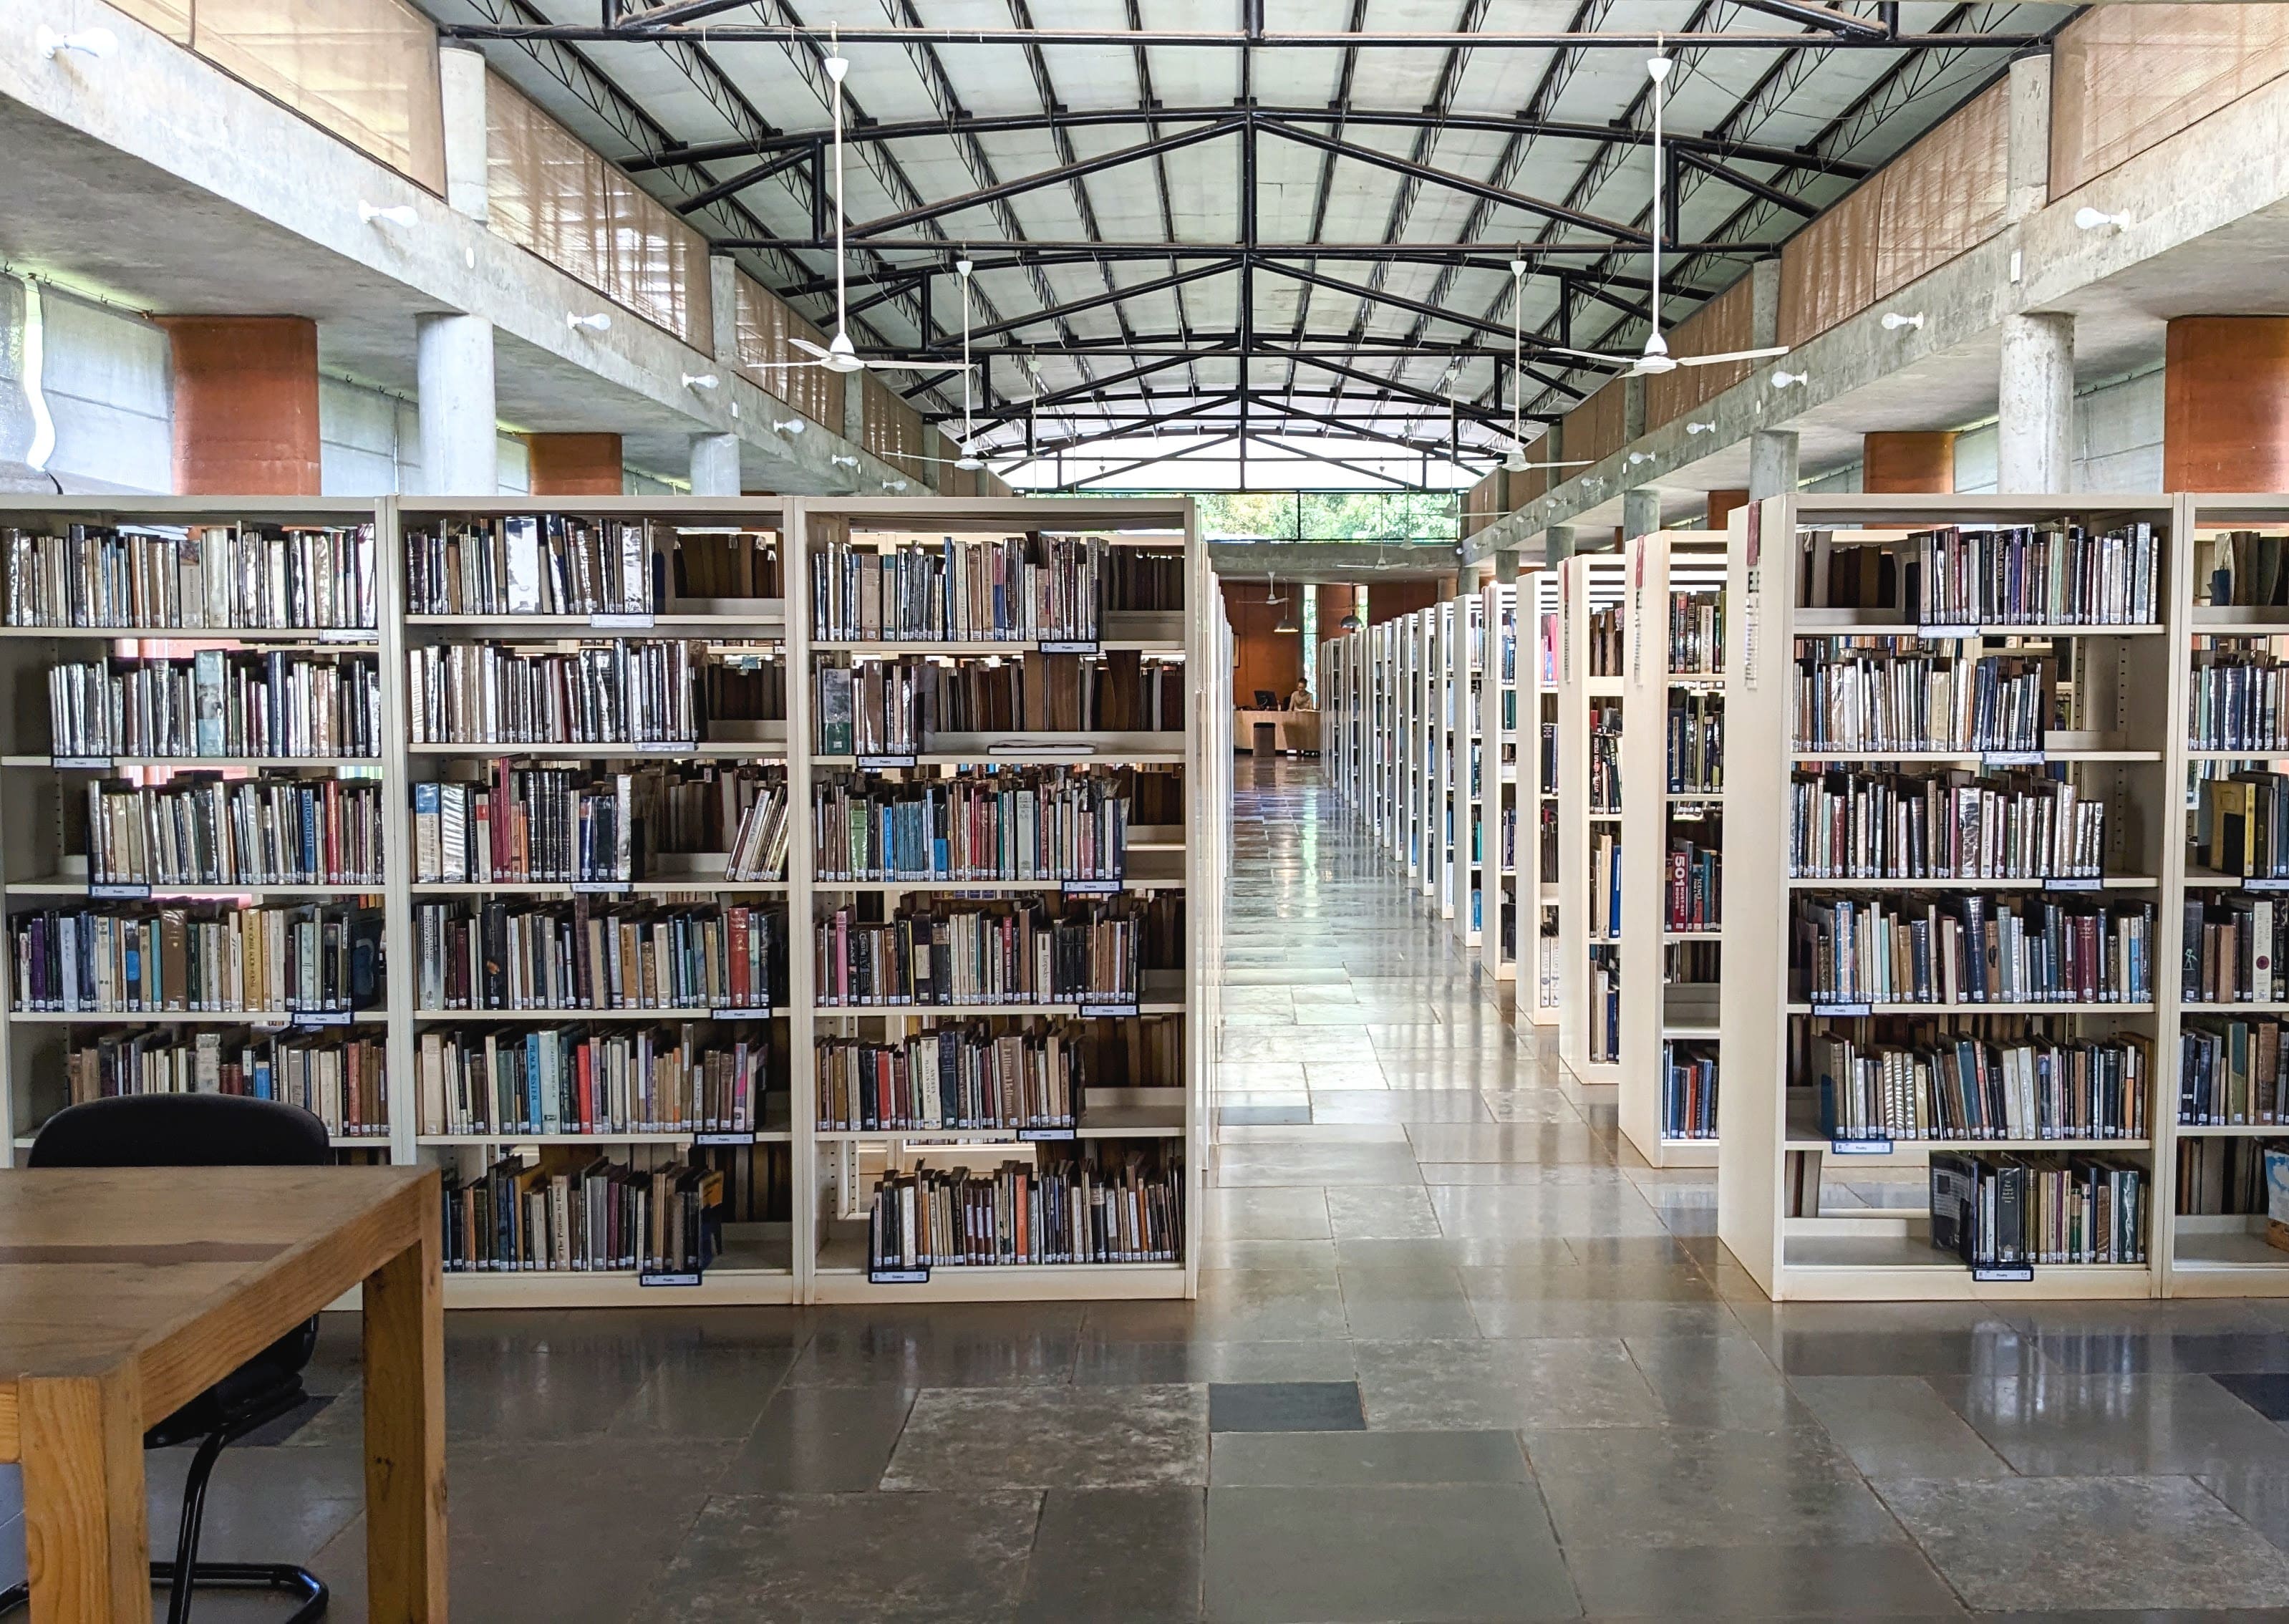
(89, 1548)
(404, 1314)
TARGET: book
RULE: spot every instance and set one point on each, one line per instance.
(217, 704)
(1094, 1203)
(195, 577)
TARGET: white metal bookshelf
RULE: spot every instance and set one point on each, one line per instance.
(2113, 719)
(808, 1256)
(1670, 1126)
(1504, 780)
(1465, 665)
(1539, 764)
(1589, 968)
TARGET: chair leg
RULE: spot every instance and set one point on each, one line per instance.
(195, 1511)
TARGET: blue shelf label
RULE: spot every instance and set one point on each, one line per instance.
(603, 888)
(1842, 1009)
(1989, 759)
(621, 622)
(320, 1017)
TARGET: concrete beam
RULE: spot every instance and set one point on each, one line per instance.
(151, 180)
(1332, 561)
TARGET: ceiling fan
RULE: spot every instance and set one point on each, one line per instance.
(1516, 462)
(840, 355)
(1655, 358)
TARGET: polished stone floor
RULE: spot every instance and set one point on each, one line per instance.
(1456, 1357)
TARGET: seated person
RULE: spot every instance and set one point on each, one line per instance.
(1301, 699)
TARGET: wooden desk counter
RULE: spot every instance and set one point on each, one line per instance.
(126, 1291)
(1296, 730)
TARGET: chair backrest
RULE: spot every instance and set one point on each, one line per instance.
(181, 1130)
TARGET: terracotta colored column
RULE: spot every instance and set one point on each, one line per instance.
(575, 464)
(246, 404)
(1334, 604)
(1907, 463)
(1721, 504)
(2225, 403)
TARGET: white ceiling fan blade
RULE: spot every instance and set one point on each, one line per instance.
(919, 364)
(779, 366)
(1732, 355)
(808, 348)
(1587, 354)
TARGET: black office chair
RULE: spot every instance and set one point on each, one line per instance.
(204, 1131)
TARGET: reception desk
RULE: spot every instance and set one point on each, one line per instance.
(1291, 730)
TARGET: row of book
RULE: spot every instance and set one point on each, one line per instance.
(635, 691)
(206, 960)
(2031, 575)
(1906, 703)
(2231, 1073)
(193, 577)
(1029, 824)
(217, 704)
(1021, 953)
(1605, 886)
(2241, 824)
(198, 830)
(1689, 1090)
(2246, 571)
(1852, 824)
(1955, 1085)
(976, 589)
(571, 1212)
(1604, 783)
(571, 955)
(1970, 948)
(1605, 652)
(2234, 949)
(1696, 886)
(1997, 1210)
(573, 1080)
(1120, 1206)
(1605, 1034)
(340, 1080)
(567, 826)
(2237, 699)
(953, 1077)
(530, 563)
(1697, 633)
(1695, 728)
(2222, 1174)
(892, 706)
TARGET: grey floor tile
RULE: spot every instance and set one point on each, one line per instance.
(849, 1559)
(1274, 1215)
(1128, 1364)
(961, 1439)
(1897, 1427)
(1903, 1352)
(2059, 1426)
(1324, 1555)
(1543, 1210)
(1240, 1166)
(1683, 1486)
(1448, 1385)
(820, 1441)
(1758, 1581)
(1381, 1212)
(1721, 1380)
(1327, 1460)
(1285, 1406)
(1419, 1302)
(2081, 1542)
(1117, 1555)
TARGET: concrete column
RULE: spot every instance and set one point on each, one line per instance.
(715, 465)
(1899, 464)
(246, 404)
(2225, 403)
(1765, 303)
(1506, 563)
(2027, 151)
(724, 301)
(1556, 544)
(461, 82)
(577, 465)
(2034, 406)
(453, 367)
(1633, 407)
(854, 408)
(1721, 504)
(1640, 512)
(1771, 463)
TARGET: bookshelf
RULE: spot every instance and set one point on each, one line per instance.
(1538, 822)
(1501, 784)
(1671, 791)
(1465, 663)
(2095, 708)
(1591, 717)
(571, 788)
(1439, 680)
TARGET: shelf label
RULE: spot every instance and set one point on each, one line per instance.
(2090, 882)
(1069, 646)
(2266, 882)
(668, 1276)
(1092, 1010)
(1039, 1136)
(1859, 1147)
(1842, 1009)
(640, 621)
(1992, 759)
(319, 1018)
(664, 747)
(1092, 888)
(603, 888)
(117, 891)
(725, 1136)
(898, 1277)
(876, 763)
(2017, 1274)
(739, 1012)
(344, 634)
(80, 764)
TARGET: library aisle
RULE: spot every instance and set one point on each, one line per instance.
(1458, 1355)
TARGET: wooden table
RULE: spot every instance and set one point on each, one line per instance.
(125, 1293)
(1292, 730)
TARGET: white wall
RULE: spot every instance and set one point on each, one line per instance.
(109, 388)
(2117, 438)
